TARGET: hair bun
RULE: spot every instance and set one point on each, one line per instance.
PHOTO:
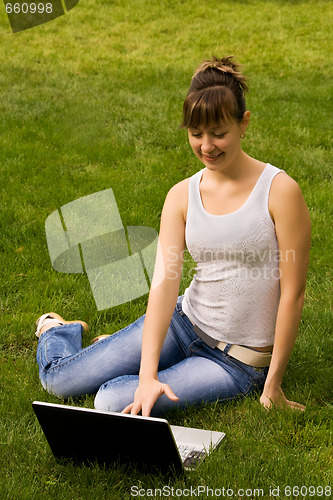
(216, 94)
(225, 65)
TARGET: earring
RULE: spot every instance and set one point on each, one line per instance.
(243, 135)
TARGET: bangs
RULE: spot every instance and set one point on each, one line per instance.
(209, 107)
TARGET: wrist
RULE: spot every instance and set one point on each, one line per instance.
(272, 386)
(275, 375)
(147, 376)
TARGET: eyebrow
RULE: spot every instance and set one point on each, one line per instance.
(214, 129)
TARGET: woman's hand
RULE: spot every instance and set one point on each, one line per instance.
(146, 395)
(277, 398)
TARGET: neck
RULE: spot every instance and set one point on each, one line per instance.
(240, 165)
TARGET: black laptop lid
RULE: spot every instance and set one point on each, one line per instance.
(85, 435)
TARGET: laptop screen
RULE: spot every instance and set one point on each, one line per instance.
(85, 435)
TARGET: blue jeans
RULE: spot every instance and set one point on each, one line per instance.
(195, 372)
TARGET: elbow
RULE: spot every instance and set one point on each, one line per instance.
(294, 298)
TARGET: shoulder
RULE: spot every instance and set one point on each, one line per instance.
(286, 200)
(177, 198)
(180, 188)
(284, 193)
(282, 182)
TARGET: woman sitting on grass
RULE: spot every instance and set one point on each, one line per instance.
(247, 226)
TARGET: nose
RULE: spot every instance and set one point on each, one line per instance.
(207, 144)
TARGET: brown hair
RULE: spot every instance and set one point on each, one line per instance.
(216, 94)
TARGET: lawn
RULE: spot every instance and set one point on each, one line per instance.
(92, 100)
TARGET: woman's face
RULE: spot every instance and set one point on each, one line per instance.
(218, 146)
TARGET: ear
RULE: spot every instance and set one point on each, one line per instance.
(245, 121)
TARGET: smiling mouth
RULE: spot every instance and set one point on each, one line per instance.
(210, 157)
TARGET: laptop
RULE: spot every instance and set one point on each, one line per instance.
(87, 435)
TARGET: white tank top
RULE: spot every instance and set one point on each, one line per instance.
(235, 292)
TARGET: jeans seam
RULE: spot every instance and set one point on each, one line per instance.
(74, 357)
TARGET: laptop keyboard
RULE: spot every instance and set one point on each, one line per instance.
(190, 455)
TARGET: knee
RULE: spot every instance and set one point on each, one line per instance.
(60, 391)
(60, 386)
(116, 394)
(103, 399)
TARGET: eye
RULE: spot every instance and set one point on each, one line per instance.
(196, 134)
(220, 135)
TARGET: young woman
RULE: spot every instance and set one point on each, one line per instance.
(247, 227)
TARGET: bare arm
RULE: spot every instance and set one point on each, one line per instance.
(162, 299)
(293, 230)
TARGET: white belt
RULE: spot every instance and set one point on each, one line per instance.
(246, 355)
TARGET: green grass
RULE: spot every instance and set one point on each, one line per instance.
(92, 100)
